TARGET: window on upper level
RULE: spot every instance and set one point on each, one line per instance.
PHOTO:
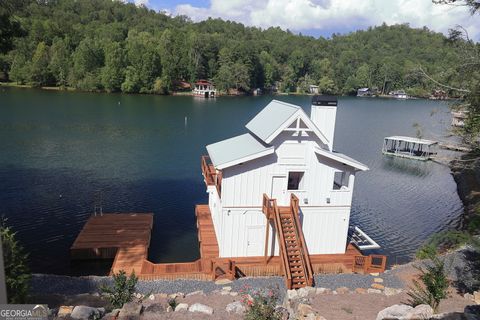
(340, 180)
(295, 180)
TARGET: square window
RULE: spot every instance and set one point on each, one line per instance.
(295, 180)
(340, 180)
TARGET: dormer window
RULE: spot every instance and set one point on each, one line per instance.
(295, 180)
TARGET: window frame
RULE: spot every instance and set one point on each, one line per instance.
(301, 182)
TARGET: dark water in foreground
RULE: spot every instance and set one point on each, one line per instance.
(60, 152)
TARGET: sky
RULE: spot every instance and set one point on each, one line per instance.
(324, 17)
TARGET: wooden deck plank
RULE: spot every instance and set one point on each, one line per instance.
(129, 233)
(206, 233)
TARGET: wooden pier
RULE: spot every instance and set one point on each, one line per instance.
(123, 237)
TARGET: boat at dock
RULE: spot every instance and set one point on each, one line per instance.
(409, 147)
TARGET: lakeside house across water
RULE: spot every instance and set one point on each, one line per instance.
(205, 89)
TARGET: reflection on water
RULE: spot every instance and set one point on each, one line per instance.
(61, 149)
(407, 166)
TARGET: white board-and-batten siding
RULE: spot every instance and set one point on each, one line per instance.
(325, 212)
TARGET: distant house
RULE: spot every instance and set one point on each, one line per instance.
(439, 95)
(364, 92)
(313, 89)
(399, 94)
(205, 89)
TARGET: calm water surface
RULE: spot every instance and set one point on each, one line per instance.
(60, 152)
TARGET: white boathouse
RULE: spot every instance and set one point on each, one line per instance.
(283, 165)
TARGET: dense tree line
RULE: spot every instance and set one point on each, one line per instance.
(113, 46)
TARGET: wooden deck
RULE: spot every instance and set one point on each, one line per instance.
(207, 239)
(124, 237)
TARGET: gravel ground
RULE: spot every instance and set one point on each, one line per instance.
(54, 284)
(461, 266)
(353, 281)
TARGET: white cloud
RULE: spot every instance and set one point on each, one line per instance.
(301, 15)
(141, 2)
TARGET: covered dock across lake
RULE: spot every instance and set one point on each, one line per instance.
(409, 147)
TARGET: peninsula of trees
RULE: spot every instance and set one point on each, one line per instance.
(105, 45)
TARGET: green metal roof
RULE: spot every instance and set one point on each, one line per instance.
(236, 150)
(271, 118)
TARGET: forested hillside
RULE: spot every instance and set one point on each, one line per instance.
(112, 46)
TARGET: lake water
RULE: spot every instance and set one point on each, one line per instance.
(61, 152)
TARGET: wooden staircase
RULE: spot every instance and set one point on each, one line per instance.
(294, 255)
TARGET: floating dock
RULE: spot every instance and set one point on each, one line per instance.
(123, 237)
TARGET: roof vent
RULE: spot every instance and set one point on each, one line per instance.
(324, 100)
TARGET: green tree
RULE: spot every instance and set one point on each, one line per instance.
(20, 69)
(10, 26)
(60, 62)
(17, 273)
(39, 71)
(363, 76)
(270, 69)
(327, 85)
(88, 59)
(144, 65)
(113, 73)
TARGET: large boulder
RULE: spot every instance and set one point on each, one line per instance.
(155, 308)
(235, 307)
(423, 311)
(64, 311)
(394, 312)
(181, 307)
(85, 312)
(198, 307)
(130, 310)
(476, 297)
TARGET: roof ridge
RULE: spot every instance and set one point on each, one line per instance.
(287, 104)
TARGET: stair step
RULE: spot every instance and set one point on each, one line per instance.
(298, 286)
(299, 280)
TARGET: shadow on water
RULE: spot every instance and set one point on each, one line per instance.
(59, 202)
(407, 166)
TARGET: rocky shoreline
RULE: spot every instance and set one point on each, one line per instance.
(466, 173)
(336, 296)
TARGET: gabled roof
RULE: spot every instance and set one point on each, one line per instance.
(275, 117)
(236, 150)
(340, 157)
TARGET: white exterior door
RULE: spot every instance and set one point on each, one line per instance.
(255, 240)
(279, 186)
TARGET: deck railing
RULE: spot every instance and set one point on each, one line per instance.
(271, 211)
(211, 175)
(369, 264)
(305, 256)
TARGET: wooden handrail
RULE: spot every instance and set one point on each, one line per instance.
(299, 233)
(212, 177)
(270, 209)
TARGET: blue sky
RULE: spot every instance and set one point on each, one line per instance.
(324, 17)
